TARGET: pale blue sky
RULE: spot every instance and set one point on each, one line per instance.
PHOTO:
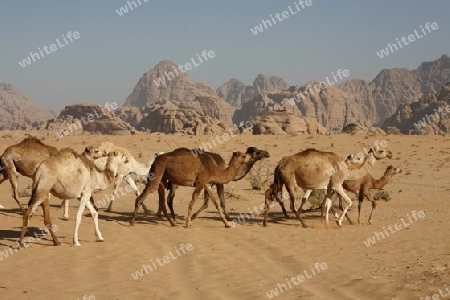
(114, 51)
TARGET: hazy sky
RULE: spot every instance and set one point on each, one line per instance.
(113, 51)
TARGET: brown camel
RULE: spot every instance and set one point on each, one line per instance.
(23, 158)
(70, 175)
(313, 169)
(255, 155)
(365, 184)
(182, 168)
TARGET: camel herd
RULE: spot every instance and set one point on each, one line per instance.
(66, 174)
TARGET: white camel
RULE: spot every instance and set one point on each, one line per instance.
(124, 171)
(70, 175)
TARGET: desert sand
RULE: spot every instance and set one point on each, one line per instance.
(247, 261)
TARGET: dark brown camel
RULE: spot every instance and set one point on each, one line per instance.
(255, 155)
(183, 168)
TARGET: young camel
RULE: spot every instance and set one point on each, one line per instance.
(182, 168)
(309, 170)
(255, 155)
(23, 158)
(70, 175)
(365, 184)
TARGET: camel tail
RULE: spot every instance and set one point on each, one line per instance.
(153, 178)
(36, 180)
(277, 186)
(3, 175)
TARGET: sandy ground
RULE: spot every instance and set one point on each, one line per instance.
(248, 261)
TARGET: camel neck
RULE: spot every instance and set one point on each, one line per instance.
(380, 183)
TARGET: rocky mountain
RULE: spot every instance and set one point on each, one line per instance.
(354, 101)
(429, 115)
(202, 115)
(18, 111)
(166, 81)
(393, 87)
(363, 128)
(330, 107)
(272, 122)
(85, 118)
(236, 93)
(166, 100)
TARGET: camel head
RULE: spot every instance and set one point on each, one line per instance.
(94, 153)
(115, 160)
(255, 153)
(380, 153)
(101, 150)
(353, 159)
(391, 170)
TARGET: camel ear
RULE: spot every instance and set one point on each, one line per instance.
(87, 150)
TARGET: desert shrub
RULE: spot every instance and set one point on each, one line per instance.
(260, 175)
(24, 193)
(382, 195)
(316, 198)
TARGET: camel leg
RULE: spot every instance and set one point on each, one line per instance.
(280, 201)
(290, 188)
(328, 204)
(360, 201)
(306, 197)
(162, 204)
(117, 182)
(195, 195)
(300, 208)
(2, 178)
(65, 205)
(94, 215)
(340, 190)
(374, 205)
(83, 202)
(12, 175)
(342, 209)
(170, 198)
(32, 205)
(219, 208)
(268, 199)
(149, 188)
(48, 222)
(221, 192)
(25, 219)
(203, 207)
(93, 203)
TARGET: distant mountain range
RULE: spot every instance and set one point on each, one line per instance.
(18, 111)
(167, 100)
